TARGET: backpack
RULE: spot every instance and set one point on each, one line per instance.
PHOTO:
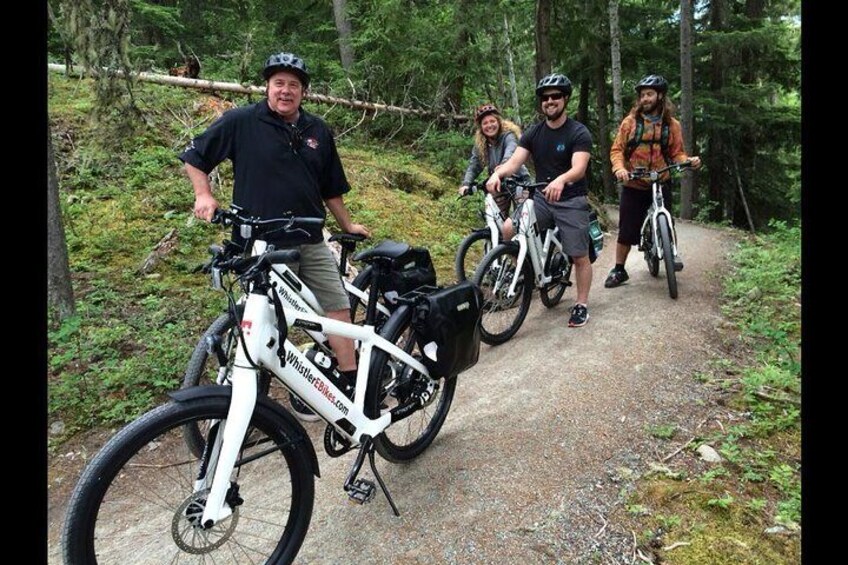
(636, 140)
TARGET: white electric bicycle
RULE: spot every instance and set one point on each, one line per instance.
(509, 272)
(213, 356)
(145, 497)
(658, 241)
(480, 241)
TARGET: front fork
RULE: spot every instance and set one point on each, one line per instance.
(221, 457)
(656, 233)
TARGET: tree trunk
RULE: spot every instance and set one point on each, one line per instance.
(604, 143)
(343, 27)
(215, 86)
(543, 38)
(60, 292)
(453, 101)
(516, 110)
(717, 158)
(582, 115)
(687, 183)
(615, 49)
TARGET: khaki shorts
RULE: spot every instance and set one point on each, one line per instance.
(318, 270)
(571, 217)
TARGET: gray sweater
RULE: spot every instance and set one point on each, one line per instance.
(496, 154)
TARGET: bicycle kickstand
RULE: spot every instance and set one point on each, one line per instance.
(362, 490)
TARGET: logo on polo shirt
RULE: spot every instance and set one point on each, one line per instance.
(560, 147)
(312, 142)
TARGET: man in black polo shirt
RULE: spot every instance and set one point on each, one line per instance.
(560, 148)
(284, 162)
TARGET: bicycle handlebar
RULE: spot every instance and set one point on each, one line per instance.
(653, 175)
(509, 183)
(232, 217)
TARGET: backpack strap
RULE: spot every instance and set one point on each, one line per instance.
(635, 140)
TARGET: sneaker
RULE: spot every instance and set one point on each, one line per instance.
(616, 278)
(579, 316)
(301, 410)
(678, 263)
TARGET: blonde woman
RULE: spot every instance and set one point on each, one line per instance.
(494, 143)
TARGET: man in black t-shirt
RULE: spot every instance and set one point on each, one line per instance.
(560, 148)
(284, 162)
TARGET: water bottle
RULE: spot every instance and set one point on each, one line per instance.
(596, 234)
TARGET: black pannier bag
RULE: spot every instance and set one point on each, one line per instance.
(412, 270)
(447, 327)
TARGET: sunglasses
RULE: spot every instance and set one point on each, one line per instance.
(554, 96)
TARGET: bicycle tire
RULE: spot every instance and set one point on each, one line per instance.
(477, 239)
(551, 293)
(405, 439)
(668, 255)
(497, 269)
(651, 257)
(132, 501)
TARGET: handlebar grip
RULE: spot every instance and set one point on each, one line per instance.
(221, 216)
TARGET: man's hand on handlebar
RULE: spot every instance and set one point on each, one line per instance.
(205, 206)
(494, 183)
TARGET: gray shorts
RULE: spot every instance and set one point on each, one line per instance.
(318, 270)
(572, 219)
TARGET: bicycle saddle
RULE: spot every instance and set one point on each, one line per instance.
(388, 249)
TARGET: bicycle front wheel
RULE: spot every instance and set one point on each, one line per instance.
(668, 254)
(470, 252)
(503, 315)
(408, 438)
(135, 502)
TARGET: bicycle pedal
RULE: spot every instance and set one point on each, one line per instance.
(361, 491)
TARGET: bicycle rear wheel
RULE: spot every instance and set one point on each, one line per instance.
(134, 502)
(502, 315)
(552, 292)
(406, 439)
(668, 254)
(648, 249)
(470, 253)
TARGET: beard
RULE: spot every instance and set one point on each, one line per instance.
(651, 109)
(554, 117)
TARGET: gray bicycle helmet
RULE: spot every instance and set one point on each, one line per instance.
(555, 80)
(286, 62)
(657, 82)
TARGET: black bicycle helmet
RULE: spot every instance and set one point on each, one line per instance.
(484, 111)
(657, 82)
(555, 80)
(286, 62)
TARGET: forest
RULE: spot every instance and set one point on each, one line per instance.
(734, 68)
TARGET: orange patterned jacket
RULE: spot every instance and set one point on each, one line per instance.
(647, 154)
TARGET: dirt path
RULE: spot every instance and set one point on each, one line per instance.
(530, 459)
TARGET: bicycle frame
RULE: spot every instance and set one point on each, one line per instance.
(530, 242)
(259, 343)
(293, 292)
(658, 208)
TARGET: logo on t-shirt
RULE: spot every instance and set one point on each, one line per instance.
(560, 147)
(312, 142)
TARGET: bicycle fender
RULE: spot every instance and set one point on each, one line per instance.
(480, 230)
(263, 403)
